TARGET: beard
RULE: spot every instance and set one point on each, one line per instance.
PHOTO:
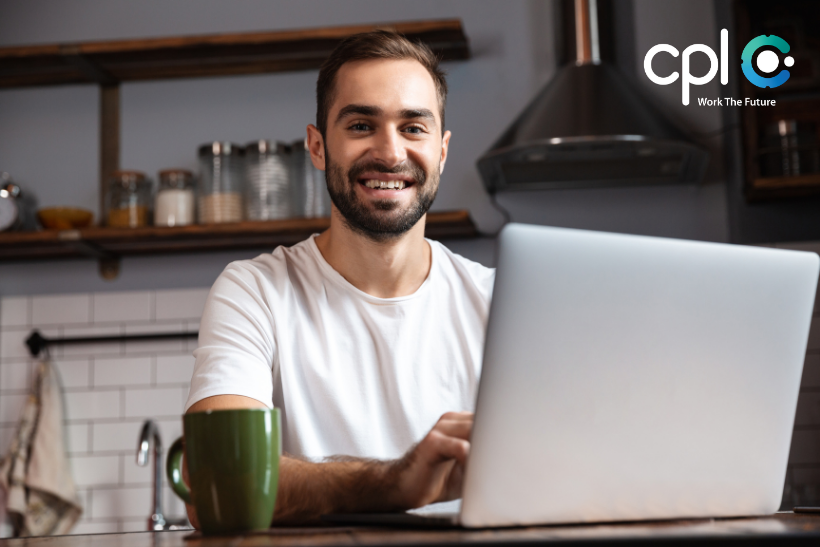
(386, 219)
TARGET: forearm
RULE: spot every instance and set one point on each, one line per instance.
(308, 490)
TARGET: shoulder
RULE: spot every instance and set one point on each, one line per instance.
(267, 272)
(472, 274)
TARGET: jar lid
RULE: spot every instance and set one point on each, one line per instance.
(301, 144)
(127, 174)
(220, 148)
(266, 147)
(128, 179)
(176, 178)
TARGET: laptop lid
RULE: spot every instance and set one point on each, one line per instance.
(630, 378)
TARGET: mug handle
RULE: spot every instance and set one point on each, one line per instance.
(173, 468)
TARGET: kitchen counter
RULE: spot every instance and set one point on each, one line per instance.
(780, 529)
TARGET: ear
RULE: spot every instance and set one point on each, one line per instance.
(445, 147)
(316, 147)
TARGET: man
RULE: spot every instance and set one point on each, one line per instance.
(368, 337)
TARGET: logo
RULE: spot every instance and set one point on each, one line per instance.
(767, 61)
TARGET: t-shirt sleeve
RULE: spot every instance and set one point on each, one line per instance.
(236, 347)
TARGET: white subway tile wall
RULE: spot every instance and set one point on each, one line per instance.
(110, 390)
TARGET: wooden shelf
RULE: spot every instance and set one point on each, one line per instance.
(109, 63)
(769, 188)
(120, 242)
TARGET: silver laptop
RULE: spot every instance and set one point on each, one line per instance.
(632, 378)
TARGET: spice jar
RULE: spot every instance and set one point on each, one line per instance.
(220, 183)
(128, 200)
(174, 204)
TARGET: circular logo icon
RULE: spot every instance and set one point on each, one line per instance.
(767, 61)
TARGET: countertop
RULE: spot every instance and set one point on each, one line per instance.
(780, 529)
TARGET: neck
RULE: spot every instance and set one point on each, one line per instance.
(384, 269)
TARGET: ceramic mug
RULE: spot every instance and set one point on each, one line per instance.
(232, 458)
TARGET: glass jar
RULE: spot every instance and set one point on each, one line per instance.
(309, 187)
(174, 204)
(267, 181)
(220, 183)
(128, 200)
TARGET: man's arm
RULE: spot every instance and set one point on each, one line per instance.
(430, 471)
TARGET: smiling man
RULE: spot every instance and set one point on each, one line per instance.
(368, 337)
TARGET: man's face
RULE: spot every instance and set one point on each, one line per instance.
(383, 149)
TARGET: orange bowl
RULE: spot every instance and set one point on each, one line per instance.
(64, 218)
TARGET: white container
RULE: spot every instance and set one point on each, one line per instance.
(175, 203)
(174, 208)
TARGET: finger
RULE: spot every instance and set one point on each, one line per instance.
(454, 485)
(444, 447)
(454, 428)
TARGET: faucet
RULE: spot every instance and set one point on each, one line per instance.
(157, 520)
(150, 430)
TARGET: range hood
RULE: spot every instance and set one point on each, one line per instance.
(590, 128)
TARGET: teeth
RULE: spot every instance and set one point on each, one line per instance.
(386, 184)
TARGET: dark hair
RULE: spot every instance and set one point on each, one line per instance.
(379, 44)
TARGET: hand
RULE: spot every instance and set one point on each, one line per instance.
(433, 470)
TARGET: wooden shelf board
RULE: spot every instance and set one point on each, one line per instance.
(204, 56)
(797, 181)
(779, 188)
(119, 242)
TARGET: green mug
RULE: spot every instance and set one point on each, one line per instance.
(232, 458)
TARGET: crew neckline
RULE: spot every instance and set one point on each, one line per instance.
(339, 279)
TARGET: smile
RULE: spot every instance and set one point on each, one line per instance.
(386, 184)
(376, 180)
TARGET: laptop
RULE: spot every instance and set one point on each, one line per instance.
(632, 378)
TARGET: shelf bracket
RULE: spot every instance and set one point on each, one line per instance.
(109, 139)
(109, 268)
(92, 70)
(109, 264)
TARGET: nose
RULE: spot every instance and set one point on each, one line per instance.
(388, 148)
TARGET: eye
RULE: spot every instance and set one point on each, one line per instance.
(359, 126)
(415, 129)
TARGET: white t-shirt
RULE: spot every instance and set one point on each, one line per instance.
(352, 374)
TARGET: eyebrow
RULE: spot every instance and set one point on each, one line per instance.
(369, 110)
(360, 109)
(415, 113)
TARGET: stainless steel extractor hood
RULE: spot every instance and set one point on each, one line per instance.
(590, 128)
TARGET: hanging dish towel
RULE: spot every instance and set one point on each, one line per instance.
(41, 497)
